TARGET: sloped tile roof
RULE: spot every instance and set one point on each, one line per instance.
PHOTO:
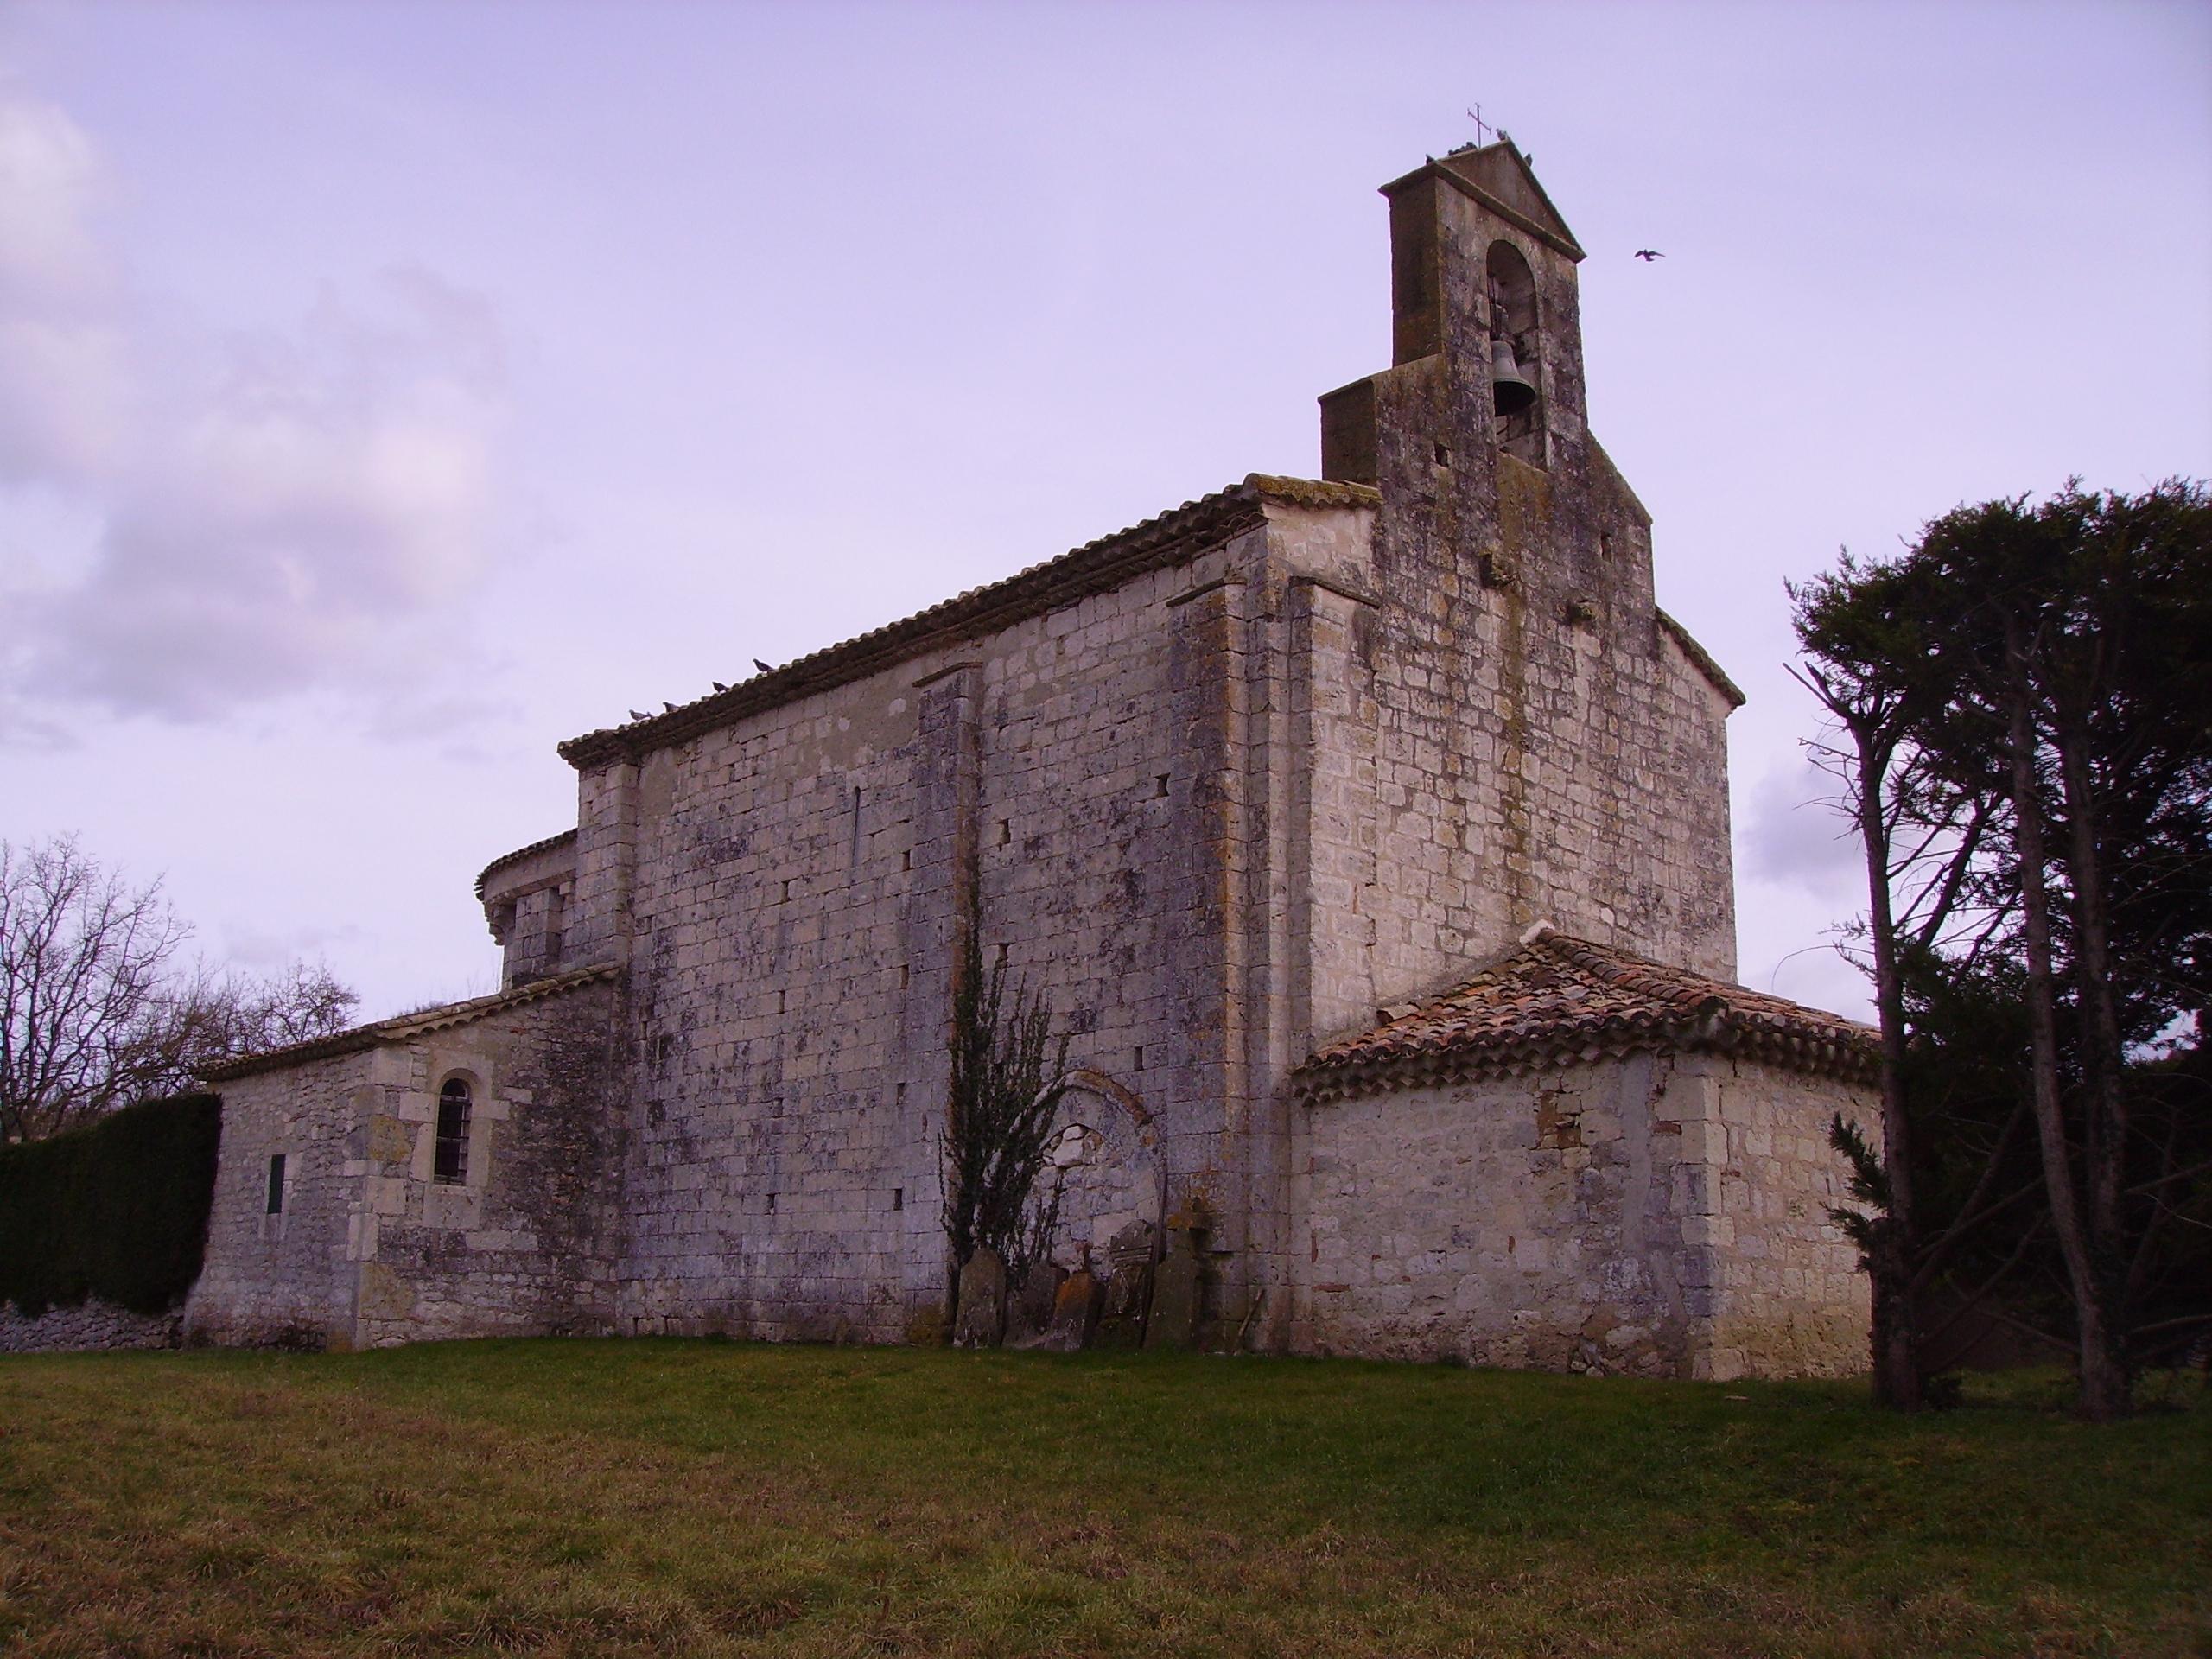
(1556, 1000)
(1094, 567)
(507, 860)
(403, 1025)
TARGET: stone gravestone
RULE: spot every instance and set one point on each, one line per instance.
(1129, 1287)
(1029, 1306)
(981, 1318)
(1175, 1321)
(1074, 1313)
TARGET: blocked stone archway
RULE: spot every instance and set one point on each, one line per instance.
(1110, 1166)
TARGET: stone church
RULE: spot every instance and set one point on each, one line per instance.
(1368, 836)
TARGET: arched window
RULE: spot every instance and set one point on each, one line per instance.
(1516, 354)
(451, 1166)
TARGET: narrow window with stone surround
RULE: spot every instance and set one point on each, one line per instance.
(276, 1184)
(557, 909)
(451, 1164)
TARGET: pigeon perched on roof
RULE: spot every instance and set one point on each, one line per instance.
(667, 707)
(1648, 254)
(718, 685)
(766, 668)
(639, 713)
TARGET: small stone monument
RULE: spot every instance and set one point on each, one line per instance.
(981, 1321)
(1175, 1288)
(1129, 1287)
(1029, 1306)
(1075, 1311)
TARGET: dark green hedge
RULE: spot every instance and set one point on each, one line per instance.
(117, 1211)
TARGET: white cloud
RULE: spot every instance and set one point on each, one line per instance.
(280, 510)
(64, 384)
(49, 176)
(263, 950)
(1797, 835)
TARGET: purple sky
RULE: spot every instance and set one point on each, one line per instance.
(390, 391)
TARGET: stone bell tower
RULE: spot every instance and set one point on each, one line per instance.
(1579, 728)
(1480, 260)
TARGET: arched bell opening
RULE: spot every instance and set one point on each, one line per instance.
(1516, 354)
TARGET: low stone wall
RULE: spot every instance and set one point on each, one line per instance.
(91, 1324)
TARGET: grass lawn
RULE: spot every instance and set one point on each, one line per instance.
(700, 1498)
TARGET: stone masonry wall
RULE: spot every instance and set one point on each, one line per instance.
(526, 1243)
(1790, 1298)
(1656, 1216)
(798, 882)
(526, 900)
(1544, 749)
(369, 1248)
(1521, 1222)
(290, 1277)
(1215, 814)
(90, 1324)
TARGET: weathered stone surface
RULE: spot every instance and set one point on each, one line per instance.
(1074, 1313)
(88, 1325)
(981, 1320)
(1128, 1288)
(1681, 1231)
(1173, 1321)
(1029, 1304)
(367, 1248)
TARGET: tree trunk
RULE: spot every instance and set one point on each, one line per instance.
(1895, 1336)
(2102, 1059)
(2104, 1394)
(1889, 1265)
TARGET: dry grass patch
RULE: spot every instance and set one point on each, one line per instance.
(651, 1497)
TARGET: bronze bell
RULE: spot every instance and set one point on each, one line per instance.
(1509, 386)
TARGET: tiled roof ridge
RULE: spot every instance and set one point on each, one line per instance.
(1096, 567)
(357, 1038)
(505, 860)
(1476, 1030)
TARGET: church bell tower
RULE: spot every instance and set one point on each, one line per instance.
(1478, 433)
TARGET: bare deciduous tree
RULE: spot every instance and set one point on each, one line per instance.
(94, 1011)
(82, 956)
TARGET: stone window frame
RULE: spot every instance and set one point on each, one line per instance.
(457, 1173)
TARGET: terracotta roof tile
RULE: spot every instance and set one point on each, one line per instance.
(517, 856)
(1555, 1000)
(403, 1025)
(1096, 567)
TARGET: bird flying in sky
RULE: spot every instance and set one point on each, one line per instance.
(1648, 254)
